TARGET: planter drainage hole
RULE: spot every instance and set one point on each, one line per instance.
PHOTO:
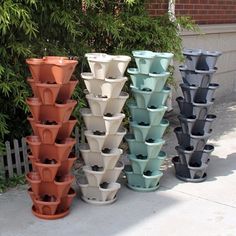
(96, 168)
(146, 90)
(60, 141)
(49, 82)
(48, 198)
(189, 148)
(111, 77)
(104, 185)
(97, 132)
(49, 122)
(152, 107)
(106, 150)
(147, 173)
(59, 102)
(108, 115)
(150, 140)
(101, 96)
(143, 123)
(48, 161)
(141, 157)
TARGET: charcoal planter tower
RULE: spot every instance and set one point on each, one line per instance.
(104, 133)
(51, 144)
(196, 122)
(147, 123)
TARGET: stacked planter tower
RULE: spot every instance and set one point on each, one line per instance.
(196, 122)
(147, 123)
(104, 132)
(51, 144)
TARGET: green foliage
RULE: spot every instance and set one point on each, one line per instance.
(33, 28)
(11, 182)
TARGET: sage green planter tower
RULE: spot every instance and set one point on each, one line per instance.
(104, 132)
(147, 125)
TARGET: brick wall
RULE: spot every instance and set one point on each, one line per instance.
(202, 11)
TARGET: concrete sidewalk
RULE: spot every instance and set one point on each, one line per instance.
(177, 208)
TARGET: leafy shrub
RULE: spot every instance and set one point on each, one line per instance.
(33, 28)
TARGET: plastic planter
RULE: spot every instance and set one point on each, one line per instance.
(196, 122)
(144, 60)
(154, 81)
(193, 94)
(51, 144)
(199, 78)
(104, 131)
(191, 57)
(161, 62)
(51, 70)
(146, 122)
(207, 60)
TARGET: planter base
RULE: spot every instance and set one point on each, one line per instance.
(192, 180)
(138, 189)
(49, 217)
(99, 203)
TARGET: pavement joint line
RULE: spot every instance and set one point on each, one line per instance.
(202, 198)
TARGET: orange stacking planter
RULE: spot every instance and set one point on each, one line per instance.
(51, 145)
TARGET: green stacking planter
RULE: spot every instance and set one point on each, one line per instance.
(147, 125)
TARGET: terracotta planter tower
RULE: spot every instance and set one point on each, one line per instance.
(104, 132)
(196, 121)
(147, 123)
(51, 144)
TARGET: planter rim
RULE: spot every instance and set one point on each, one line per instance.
(157, 173)
(93, 97)
(192, 52)
(123, 58)
(143, 54)
(161, 75)
(100, 58)
(87, 75)
(116, 80)
(164, 54)
(59, 62)
(211, 53)
(45, 85)
(137, 90)
(157, 142)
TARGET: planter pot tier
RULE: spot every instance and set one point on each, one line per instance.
(148, 181)
(188, 155)
(57, 70)
(154, 62)
(193, 94)
(144, 132)
(152, 115)
(109, 123)
(199, 78)
(59, 151)
(148, 149)
(198, 110)
(142, 164)
(101, 159)
(146, 99)
(103, 105)
(98, 195)
(107, 87)
(191, 125)
(57, 112)
(189, 174)
(155, 82)
(97, 177)
(97, 142)
(197, 141)
(104, 66)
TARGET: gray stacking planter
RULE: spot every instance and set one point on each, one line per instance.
(196, 122)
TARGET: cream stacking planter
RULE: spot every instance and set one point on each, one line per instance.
(104, 131)
(147, 123)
